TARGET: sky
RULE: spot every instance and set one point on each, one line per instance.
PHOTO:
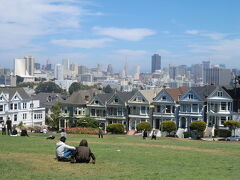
(91, 32)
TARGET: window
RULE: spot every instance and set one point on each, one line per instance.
(31, 105)
(1, 108)
(195, 108)
(158, 108)
(1, 119)
(15, 106)
(93, 112)
(15, 97)
(15, 117)
(168, 109)
(116, 100)
(24, 115)
(98, 113)
(143, 110)
(229, 106)
(1, 98)
(190, 96)
(96, 102)
(24, 105)
(223, 119)
(223, 106)
(184, 108)
(11, 106)
(139, 98)
(120, 111)
(219, 93)
(164, 98)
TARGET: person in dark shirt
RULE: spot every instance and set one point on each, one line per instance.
(83, 153)
(9, 126)
(14, 132)
(24, 132)
(3, 128)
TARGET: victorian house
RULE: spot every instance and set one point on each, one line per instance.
(193, 105)
(166, 105)
(141, 108)
(17, 105)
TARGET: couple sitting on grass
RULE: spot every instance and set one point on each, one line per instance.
(80, 154)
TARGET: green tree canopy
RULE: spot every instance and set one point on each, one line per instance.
(232, 125)
(48, 87)
(53, 120)
(169, 126)
(144, 125)
(76, 86)
(107, 89)
(88, 122)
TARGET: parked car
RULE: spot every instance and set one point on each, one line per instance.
(233, 138)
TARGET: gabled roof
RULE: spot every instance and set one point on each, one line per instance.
(104, 97)
(232, 91)
(124, 96)
(12, 91)
(150, 94)
(79, 98)
(49, 98)
(176, 92)
(204, 91)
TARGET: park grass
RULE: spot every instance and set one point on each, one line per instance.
(120, 157)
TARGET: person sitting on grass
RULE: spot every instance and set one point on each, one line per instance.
(63, 151)
(83, 153)
(14, 132)
(24, 133)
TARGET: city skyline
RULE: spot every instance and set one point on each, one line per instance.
(106, 32)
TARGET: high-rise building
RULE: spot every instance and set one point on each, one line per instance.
(172, 72)
(126, 69)
(206, 65)
(82, 70)
(156, 62)
(29, 63)
(24, 67)
(197, 72)
(37, 66)
(66, 64)
(219, 76)
(110, 69)
(58, 72)
(137, 73)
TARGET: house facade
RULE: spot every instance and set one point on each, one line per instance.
(166, 105)
(141, 108)
(17, 105)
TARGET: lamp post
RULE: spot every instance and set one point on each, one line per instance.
(32, 111)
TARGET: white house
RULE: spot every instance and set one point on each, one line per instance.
(16, 104)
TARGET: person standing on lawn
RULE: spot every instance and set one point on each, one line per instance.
(9, 126)
(3, 128)
(64, 151)
(100, 132)
(144, 134)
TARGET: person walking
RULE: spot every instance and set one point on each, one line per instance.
(100, 132)
(145, 134)
(154, 135)
(9, 126)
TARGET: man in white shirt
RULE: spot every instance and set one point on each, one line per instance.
(64, 151)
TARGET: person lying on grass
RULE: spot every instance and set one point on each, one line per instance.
(63, 151)
(83, 153)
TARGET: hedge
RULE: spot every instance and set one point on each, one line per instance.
(115, 128)
(222, 133)
(79, 130)
(144, 125)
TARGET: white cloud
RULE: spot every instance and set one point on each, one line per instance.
(192, 32)
(135, 34)
(82, 43)
(22, 21)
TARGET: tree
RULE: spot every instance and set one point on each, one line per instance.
(169, 126)
(199, 127)
(48, 87)
(232, 125)
(108, 89)
(115, 128)
(53, 120)
(88, 122)
(76, 86)
(144, 125)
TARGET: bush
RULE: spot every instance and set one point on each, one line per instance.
(199, 126)
(186, 134)
(88, 122)
(169, 126)
(82, 130)
(222, 133)
(115, 128)
(144, 125)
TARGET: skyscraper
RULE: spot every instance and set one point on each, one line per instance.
(156, 62)
(58, 72)
(24, 67)
(29, 63)
(110, 69)
(206, 65)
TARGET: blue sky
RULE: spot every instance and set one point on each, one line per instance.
(113, 32)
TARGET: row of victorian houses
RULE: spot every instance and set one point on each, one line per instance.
(211, 104)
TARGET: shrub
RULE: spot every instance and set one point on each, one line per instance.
(199, 126)
(115, 128)
(144, 125)
(88, 122)
(232, 125)
(222, 133)
(186, 134)
(169, 126)
(79, 130)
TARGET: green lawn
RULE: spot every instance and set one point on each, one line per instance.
(120, 157)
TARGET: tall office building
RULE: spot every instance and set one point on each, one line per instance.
(58, 72)
(24, 67)
(66, 64)
(197, 72)
(172, 72)
(156, 62)
(137, 72)
(110, 69)
(82, 70)
(219, 76)
(206, 65)
(29, 63)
